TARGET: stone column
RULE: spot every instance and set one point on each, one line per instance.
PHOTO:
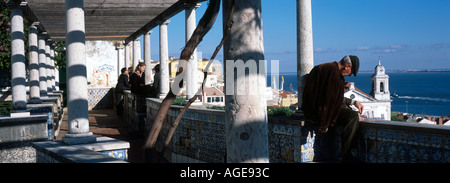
(42, 66)
(19, 93)
(57, 79)
(48, 67)
(120, 60)
(127, 55)
(77, 98)
(52, 67)
(246, 111)
(164, 59)
(192, 65)
(33, 57)
(148, 59)
(136, 52)
(305, 51)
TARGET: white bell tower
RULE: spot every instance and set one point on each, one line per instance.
(380, 84)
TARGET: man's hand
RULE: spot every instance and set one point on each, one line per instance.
(359, 106)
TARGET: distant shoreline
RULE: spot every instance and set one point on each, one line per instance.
(411, 70)
(428, 115)
(388, 71)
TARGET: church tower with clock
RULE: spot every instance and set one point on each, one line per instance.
(377, 105)
(380, 84)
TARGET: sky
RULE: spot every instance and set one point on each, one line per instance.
(405, 34)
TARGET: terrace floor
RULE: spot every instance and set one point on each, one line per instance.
(106, 123)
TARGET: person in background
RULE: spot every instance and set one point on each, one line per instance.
(151, 90)
(137, 82)
(137, 79)
(130, 70)
(157, 81)
(122, 84)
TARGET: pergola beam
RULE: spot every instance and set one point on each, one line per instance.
(161, 18)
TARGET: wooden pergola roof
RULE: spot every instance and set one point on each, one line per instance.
(105, 19)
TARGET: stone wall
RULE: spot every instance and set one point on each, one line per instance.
(401, 142)
(101, 63)
(134, 111)
(200, 137)
(104, 150)
(16, 133)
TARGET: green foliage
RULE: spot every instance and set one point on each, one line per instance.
(5, 41)
(5, 37)
(394, 117)
(178, 100)
(279, 111)
(60, 55)
(5, 108)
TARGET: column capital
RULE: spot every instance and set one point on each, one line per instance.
(16, 4)
(34, 25)
(149, 32)
(38, 26)
(191, 5)
(164, 22)
(44, 34)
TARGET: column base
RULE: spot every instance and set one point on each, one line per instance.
(83, 138)
(162, 96)
(35, 101)
(43, 95)
(19, 113)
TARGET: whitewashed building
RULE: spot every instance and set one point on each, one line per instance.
(377, 105)
(213, 96)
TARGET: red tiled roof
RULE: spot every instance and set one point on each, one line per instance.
(212, 91)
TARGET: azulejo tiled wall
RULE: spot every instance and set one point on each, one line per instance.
(284, 144)
(201, 136)
(49, 111)
(394, 142)
(100, 98)
(120, 154)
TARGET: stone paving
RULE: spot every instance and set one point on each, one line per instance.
(106, 123)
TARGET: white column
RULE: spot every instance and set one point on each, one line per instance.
(127, 56)
(136, 52)
(120, 60)
(57, 79)
(77, 99)
(164, 59)
(42, 66)
(33, 57)
(192, 65)
(52, 67)
(19, 93)
(246, 112)
(305, 51)
(48, 67)
(147, 59)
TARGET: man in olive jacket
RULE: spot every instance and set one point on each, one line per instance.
(324, 101)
